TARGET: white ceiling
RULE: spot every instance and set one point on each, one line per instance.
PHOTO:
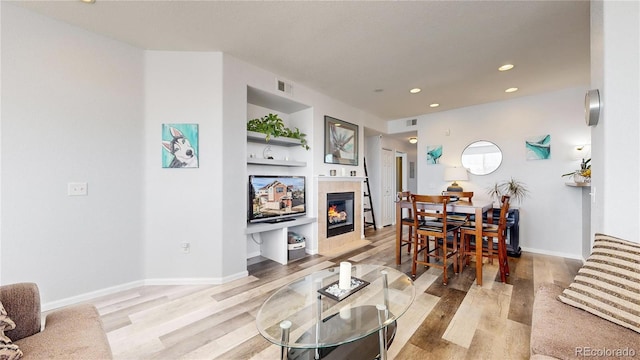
(347, 49)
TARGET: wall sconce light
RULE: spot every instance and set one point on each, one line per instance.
(413, 140)
(582, 151)
(455, 174)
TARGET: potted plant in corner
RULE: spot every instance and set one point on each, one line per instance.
(272, 125)
(516, 189)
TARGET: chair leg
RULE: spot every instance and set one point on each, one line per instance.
(444, 260)
(410, 241)
(414, 258)
(456, 252)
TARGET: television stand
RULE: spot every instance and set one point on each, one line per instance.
(275, 236)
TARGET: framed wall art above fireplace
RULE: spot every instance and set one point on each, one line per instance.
(340, 142)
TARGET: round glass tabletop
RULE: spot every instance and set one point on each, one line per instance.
(315, 316)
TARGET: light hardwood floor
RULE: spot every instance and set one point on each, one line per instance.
(457, 321)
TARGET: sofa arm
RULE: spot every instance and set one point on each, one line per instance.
(22, 302)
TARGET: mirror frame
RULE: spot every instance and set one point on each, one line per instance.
(474, 171)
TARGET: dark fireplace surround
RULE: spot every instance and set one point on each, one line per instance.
(340, 213)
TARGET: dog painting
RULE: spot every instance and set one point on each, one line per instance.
(180, 142)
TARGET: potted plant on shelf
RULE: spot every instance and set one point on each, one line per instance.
(272, 125)
(516, 189)
(582, 175)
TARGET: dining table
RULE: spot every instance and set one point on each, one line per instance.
(475, 207)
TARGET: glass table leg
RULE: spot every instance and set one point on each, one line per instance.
(285, 326)
(382, 333)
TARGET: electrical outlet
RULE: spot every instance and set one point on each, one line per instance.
(77, 189)
(186, 247)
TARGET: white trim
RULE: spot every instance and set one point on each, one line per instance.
(554, 253)
(90, 295)
(114, 289)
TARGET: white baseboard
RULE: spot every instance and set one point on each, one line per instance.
(253, 254)
(554, 253)
(114, 289)
(90, 295)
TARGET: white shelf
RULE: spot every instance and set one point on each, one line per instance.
(573, 184)
(263, 226)
(260, 138)
(273, 162)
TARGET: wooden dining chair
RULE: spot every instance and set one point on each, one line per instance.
(490, 249)
(406, 221)
(429, 224)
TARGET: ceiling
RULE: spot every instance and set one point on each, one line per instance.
(366, 54)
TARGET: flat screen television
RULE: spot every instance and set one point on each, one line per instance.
(275, 198)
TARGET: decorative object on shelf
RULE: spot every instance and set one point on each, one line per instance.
(340, 142)
(582, 175)
(592, 107)
(272, 125)
(181, 144)
(538, 147)
(455, 174)
(267, 153)
(514, 188)
(434, 152)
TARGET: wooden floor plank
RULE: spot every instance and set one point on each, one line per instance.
(456, 321)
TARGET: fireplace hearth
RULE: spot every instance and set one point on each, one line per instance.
(340, 213)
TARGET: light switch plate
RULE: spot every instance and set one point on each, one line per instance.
(77, 189)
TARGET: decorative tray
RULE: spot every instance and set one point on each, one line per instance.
(334, 292)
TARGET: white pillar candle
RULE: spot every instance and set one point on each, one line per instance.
(345, 312)
(345, 275)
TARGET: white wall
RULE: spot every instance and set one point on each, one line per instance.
(550, 219)
(72, 111)
(615, 71)
(184, 204)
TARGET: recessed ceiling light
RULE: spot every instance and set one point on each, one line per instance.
(413, 140)
(88, 1)
(415, 90)
(434, 105)
(505, 67)
(510, 90)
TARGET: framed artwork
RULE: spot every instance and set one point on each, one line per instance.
(434, 153)
(538, 147)
(340, 142)
(412, 170)
(180, 145)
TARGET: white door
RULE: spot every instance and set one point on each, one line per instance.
(388, 186)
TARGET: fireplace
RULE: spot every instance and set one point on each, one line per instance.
(339, 213)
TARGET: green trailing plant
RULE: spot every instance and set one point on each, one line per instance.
(273, 126)
(514, 188)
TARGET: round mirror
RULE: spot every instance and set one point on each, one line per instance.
(481, 157)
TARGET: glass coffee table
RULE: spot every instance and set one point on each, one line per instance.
(310, 321)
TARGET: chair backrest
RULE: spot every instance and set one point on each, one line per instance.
(403, 195)
(460, 194)
(504, 210)
(420, 213)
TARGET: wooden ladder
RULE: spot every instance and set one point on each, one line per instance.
(367, 195)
